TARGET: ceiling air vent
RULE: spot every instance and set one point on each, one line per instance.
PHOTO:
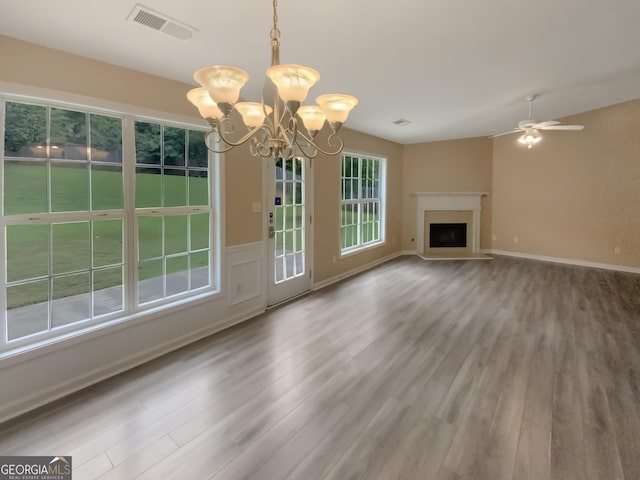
(402, 122)
(162, 23)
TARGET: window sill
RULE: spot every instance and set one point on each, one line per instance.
(362, 248)
(19, 354)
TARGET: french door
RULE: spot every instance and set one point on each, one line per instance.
(288, 187)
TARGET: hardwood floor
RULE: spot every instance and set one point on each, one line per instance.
(503, 369)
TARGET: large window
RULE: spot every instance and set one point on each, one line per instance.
(91, 234)
(362, 202)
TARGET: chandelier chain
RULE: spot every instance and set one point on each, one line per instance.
(275, 33)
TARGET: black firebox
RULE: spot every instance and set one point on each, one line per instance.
(443, 235)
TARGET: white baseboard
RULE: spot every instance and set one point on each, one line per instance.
(41, 398)
(355, 271)
(566, 261)
(409, 252)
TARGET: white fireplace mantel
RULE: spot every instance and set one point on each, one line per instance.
(462, 201)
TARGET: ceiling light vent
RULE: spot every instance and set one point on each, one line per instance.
(402, 122)
(161, 23)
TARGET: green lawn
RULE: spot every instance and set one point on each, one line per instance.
(70, 247)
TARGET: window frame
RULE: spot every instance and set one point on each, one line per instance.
(131, 309)
(381, 200)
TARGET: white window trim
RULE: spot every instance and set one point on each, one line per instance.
(50, 98)
(383, 207)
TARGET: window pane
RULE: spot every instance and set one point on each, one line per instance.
(148, 187)
(199, 270)
(147, 143)
(25, 187)
(177, 275)
(175, 234)
(149, 237)
(199, 231)
(107, 291)
(25, 131)
(69, 187)
(107, 243)
(106, 187)
(288, 169)
(27, 309)
(27, 252)
(174, 146)
(68, 134)
(298, 195)
(299, 240)
(106, 139)
(198, 187)
(150, 281)
(175, 187)
(198, 153)
(298, 211)
(71, 299)
(71, 247)
(279, 173)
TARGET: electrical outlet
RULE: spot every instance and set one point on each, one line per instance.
(516, 239)
(256, 207)
(494, 237)
(616, 250)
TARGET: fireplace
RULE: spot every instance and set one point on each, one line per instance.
(449, 208)
(445, 235)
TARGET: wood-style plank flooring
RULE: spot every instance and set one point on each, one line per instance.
(496, 370)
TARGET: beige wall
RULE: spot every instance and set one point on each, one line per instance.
(574, 195)
(450, 166)
(327, 171)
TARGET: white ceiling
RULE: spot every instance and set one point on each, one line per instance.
(455, 68)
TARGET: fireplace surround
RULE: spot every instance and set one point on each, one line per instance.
(449, 207)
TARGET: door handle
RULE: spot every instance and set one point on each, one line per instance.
(272, 232)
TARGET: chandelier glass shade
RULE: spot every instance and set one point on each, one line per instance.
(272, 127)
(530, 137)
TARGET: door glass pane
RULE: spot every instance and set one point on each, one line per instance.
(289, 220)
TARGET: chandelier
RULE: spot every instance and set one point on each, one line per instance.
(272, 128)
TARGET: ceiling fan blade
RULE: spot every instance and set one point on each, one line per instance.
(564, 127)
(507, 133)
(546, 124)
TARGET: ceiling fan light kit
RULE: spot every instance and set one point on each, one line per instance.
(273, 130)
(531, 128)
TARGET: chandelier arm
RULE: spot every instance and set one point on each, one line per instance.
(213, 149)
(243, 139)
(333, 140)
(310, 155)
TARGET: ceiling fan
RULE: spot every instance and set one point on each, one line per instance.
(531, 127)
